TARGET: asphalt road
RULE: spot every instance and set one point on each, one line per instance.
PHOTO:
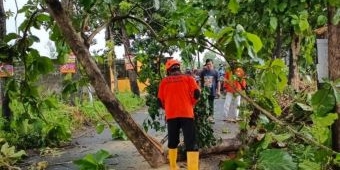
(125, 155)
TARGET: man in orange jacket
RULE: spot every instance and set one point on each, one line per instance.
(177, 95)
(234, 81)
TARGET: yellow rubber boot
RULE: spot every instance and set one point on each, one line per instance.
(172, 154)
(192, 160)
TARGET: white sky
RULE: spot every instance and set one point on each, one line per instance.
(12, 23)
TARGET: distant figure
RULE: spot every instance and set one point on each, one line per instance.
(221, 74)
(196, 74)
(177, 95)
(209, 79)
(234, 81)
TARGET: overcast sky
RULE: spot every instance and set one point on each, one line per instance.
(12, 23)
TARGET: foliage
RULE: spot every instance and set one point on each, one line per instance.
(269, 141)
(93, 161)
(130, 101)
(204, 132)
(8, 155)
(117, 133)
(231, 29)
(27, 130)
(97, 113)
(275, 159)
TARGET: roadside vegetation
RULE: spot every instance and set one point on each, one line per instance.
(291, 117)
(55, 125)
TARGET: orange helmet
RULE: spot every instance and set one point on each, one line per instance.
(170, 63)
(239, 72)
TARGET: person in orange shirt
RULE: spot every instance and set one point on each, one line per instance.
(177, 95)
(234, 81)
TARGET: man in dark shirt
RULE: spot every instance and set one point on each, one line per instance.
(210, 79)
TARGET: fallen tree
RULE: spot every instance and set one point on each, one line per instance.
(146, 146)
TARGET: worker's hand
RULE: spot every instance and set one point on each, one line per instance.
(218, 94)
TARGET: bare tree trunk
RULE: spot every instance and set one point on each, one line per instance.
(147, 147)
(334, 71)
(278, 45)
(132, 73)
(294, 77)
(5, 100)
(113, 81)
(2, 20)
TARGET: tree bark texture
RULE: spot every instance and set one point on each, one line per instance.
(2, 20)
(131, 73)
(334, 70)
(227, 145)
(148, 148)
(113, 81)
(293, 62)
(5, 100)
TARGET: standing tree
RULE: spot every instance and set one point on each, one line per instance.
(132, 72)
(6, 111)
(334, 65)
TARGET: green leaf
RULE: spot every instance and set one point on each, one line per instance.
(50, 103)
(44, 65)
(282, 6)
(43, 17)
(325, 121)
(308, 165)
(273, 23)
(88, 162)
(266, 141)
(274, 159)
(277, 65)
(33, 38)
(320, 130)
(283, 81)
(233, 6)
(322, 20)
(210, 34)
(281, 137)
(11, 36)
(101, 155)
(337, 158)
(233, 164)
(100, 128)
(18, 155)
(323, 101)
(303, 25)
(255, 41)
(87, 4)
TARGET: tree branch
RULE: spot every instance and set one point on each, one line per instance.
(280, 123)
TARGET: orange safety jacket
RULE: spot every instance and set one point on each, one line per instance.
(231, 85)
(176, 93)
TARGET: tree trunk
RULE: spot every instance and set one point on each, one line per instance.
(278, 45)
(334, 71)
(2, 20)
(113, 81)
(132, 73)
(293, 62)
(227, 145)
(5, 100)
(147, 147)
